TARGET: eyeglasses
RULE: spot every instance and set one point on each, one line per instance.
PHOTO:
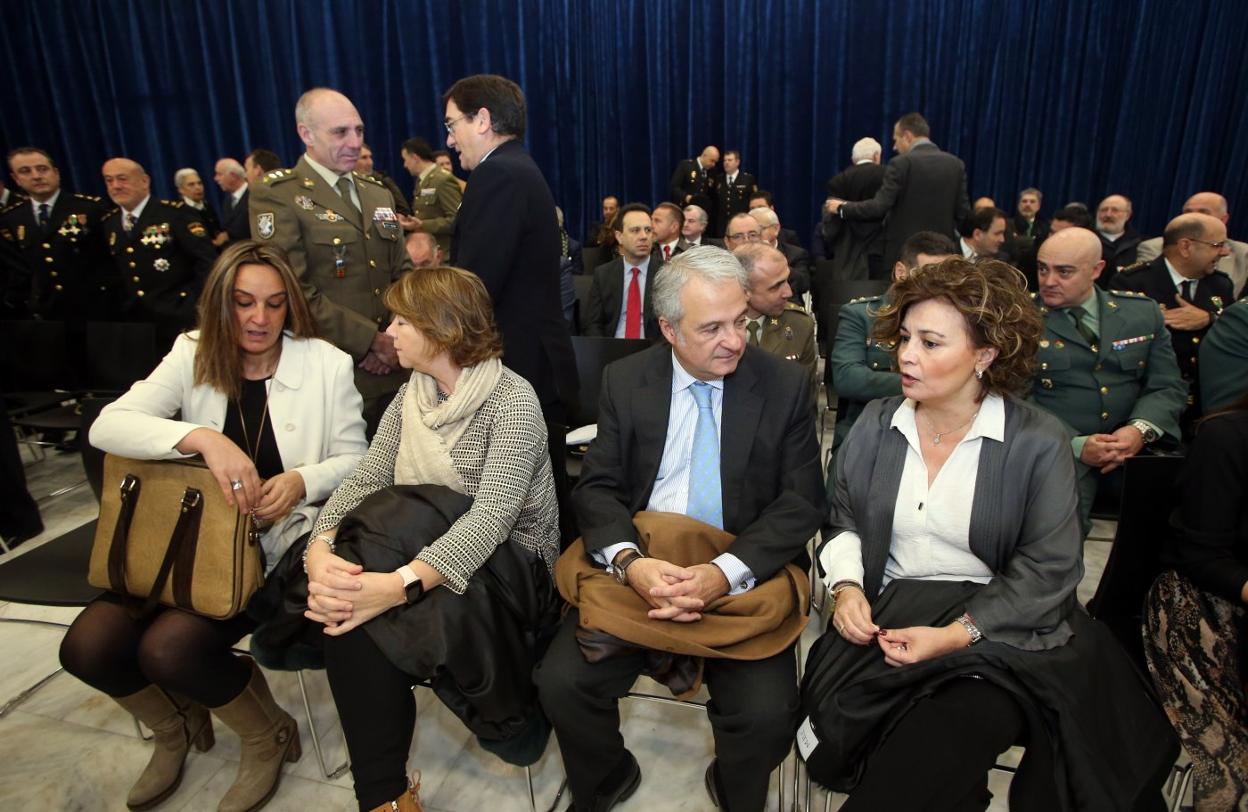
(451, 122)
(1216, 246)
(745, 236)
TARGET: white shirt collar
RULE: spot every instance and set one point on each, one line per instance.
(192, 204)
(51, 202)
(137, 211)
(328, 175)
(424, 173)
(681, 379)
(967, 250)
(1178, 278)
(989, 421)
(238, 193)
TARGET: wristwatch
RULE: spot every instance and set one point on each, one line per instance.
(1149, 433)
(621, 569)
(411, 584)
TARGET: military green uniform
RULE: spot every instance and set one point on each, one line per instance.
(1128, 373)
(345, 259)
(1224, 359)
(435, 203)
(791, 335)
(861, 368)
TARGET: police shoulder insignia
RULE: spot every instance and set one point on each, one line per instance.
(197, 229)
(1133, 267)
(264, 225)
(92, 198)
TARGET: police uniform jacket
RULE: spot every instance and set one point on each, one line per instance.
(61, 272)
(732, 198)
(692, 181)
(1224, 359)
(862, 368)
(161, 263)
(791, 335)
(1128, 373)
(1213, 293)
(345, 259)
(435, 203)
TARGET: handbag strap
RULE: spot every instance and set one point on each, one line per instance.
(186, 529)
(130, 487)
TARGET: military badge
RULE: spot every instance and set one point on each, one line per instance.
(308, 183)
(788, 333)
(329, 216)
(304, 202)
(1217, 301)
(1044, 343)
(264, 225)
(21, 233)
(197, 229)
(112, 239)
(161, 264)
(1061, 345)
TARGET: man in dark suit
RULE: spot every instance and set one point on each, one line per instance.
(191, 187)
(800, 266)
(610, 207)
(693, 232)
(506, 233)
(161, 251)
(855, 247)
(691, 182)
(1120, 242)
(58, 270)
(231, 177)
(619, 304)
(924, 189)
(1185, 281)
(756, 454)
(731, 191)
(763, 199)
(668, 221)
(982, 233)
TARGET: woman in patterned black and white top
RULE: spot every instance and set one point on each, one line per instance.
(463, 421)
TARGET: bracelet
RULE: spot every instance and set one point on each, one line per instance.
(321, 537)
(969, 624)
(843, 584)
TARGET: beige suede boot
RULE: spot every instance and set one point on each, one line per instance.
(176, 723)
(409, 801)
(269, 736)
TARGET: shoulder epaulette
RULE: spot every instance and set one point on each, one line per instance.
(1129, 294)
(789, 307)
(277, 176)
(369, 178)
(111, 212)
(92, 198)
(177, 204)
(1133, 267)
(16, 204)
(858, 299)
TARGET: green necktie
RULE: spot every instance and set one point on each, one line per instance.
(752, 328)
(1077, 313)
(344, 189)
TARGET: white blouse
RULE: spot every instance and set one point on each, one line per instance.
(931, 525)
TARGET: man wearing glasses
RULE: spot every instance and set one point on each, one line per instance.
(1191, 292)
(1234, 265)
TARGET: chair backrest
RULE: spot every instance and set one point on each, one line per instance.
(582, 284)
(120, 353)
(1148, 496)
(592, 356)
(591, 257)
(35, 356)
(838, 292)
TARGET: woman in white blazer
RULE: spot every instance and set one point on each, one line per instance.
(275, 414)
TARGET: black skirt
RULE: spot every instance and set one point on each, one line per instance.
(1112, 743)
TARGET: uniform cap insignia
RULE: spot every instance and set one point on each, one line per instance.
(264, 224)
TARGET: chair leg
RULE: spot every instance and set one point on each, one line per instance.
(12, 704)
(1185, 780)
(563, 787)
(316, 740)
(528, 776)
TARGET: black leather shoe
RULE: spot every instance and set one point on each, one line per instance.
(712, 789)
(618, 787)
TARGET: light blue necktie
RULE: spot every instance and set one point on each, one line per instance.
(706, 501)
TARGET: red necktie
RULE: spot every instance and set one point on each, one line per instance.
(667, 253)
(632, 315)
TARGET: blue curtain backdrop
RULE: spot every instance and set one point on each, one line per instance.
(1081, 99)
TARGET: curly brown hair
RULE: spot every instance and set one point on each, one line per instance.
(452, 309)
(992, 298)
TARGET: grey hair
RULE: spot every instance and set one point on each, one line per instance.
(699, 213)
(1031, 190)
(864, 149)
(303, 107)
(181, 175)
(233, 167)
(766, 217)
(707, 262)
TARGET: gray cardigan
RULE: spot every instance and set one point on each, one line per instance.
(1024, 523)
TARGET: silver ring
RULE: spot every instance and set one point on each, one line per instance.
(237, 484)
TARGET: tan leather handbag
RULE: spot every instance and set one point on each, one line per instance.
(167, 535)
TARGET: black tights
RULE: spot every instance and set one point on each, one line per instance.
(378, 713)
(113, 651)
(939, 754)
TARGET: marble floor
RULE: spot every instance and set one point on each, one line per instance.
(70, 748)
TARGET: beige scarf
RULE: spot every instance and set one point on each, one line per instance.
(431, 429)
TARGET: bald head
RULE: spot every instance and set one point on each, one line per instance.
(127, 182)
(331, 129)
(424, 250)
(1210, 203)
(1193, 244)
(1067, 266)
(709, 157)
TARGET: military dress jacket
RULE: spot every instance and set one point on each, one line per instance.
(862, 369)
(161, 263)
(1128, 373)
(791, 335)
(1213, 293)
(62, 271)
(435, 203)
(1224, 359)
(344, 259)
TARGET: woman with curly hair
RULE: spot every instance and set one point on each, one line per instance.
(952, 554)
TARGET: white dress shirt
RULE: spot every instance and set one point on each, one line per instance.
(931, 525)
(1179, 279)
(137, 211)
(671, 487)
(621, 323)
(50, 203)
(331, 177)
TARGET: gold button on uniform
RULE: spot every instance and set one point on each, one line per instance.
(47, 259)
(376, 291)
(1104, 390)
(46, 246)
(60, 287)
(132, 265)
(337, 241)
(129, 249)
(138, 293)
(1104, 415)
(53, 274)
(372, 263)
(1044, 364)
(135, 278)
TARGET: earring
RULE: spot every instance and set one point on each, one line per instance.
(979, 374)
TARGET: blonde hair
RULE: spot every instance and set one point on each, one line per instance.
(452, 310)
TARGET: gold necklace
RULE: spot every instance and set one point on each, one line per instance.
(260, 432)
(936, 435)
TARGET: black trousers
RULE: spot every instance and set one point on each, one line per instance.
(753, 714)
(938, 756)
